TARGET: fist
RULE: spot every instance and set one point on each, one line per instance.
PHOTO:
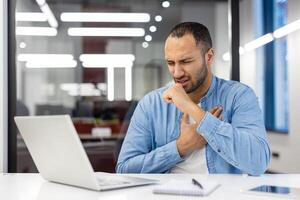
(177, 95)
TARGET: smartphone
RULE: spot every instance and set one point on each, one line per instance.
(273, 190)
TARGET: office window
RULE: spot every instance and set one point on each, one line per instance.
(281, 69)
(264, 64)
(276, 66)
(82, 59)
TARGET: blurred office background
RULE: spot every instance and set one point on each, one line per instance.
(95, 59)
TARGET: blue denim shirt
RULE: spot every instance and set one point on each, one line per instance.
(236, 144)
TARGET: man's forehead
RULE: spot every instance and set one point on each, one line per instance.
(182, 56)
(180, 48)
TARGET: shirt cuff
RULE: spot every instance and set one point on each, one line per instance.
(173, 151)
(208, 125)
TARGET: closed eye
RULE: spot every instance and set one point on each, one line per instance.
(170, 63)
(186, 61)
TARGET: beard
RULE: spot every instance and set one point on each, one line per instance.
(198, 81)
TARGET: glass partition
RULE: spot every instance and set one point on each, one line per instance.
(94, 60)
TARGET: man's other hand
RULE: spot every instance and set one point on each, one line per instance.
(189, 140)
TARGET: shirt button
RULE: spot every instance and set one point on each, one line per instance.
(219, 150)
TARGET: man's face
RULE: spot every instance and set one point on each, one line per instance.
(186, 62)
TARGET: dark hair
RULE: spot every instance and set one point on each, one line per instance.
(199, 31)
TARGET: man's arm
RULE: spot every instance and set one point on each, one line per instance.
(242, 142)
(138, 155)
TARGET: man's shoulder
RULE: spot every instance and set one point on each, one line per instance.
(232, 87)
(155, 96)
(157, 93)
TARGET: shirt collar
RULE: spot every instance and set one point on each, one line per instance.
(211, 88)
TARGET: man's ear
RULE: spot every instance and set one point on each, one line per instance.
(209, 56)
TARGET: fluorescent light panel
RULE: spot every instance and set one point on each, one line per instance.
(110, 64)
(278, 33)
(75, 86)
(104, 17)
(40, 2)
(80, 89)
(110, 84)
(128, 84)
(51, 18)
(85, 93)
(52, 64)
(107, 60)
(44, 57)
(30, 17)
(106, 57)
(287, 29)
(259, 42)
(47, 11)
(36, 31)
(111, 32)
(48, 60)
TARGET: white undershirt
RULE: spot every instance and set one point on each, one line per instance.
(194, 163)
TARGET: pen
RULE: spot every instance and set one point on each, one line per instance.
(195, 182)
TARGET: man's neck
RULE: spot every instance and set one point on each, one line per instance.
(202, 90)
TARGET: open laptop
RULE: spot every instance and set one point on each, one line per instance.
(60, 157)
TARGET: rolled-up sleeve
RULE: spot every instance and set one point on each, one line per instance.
(242, 142)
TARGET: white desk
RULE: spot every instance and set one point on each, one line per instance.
(33, 187)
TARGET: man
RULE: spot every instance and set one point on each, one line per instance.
(199, 124)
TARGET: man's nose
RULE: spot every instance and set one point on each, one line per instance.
(178, 71)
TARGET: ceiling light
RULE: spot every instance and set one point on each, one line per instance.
(226, 56)
(105, 58)
(40, 2)
(111, 64)
(287, 29)
(259, 42)
(158, 18)
(152, 28)
(110, 84)
(80, 89)
(145, 44)
(86, 93)
(241, 51)
(76, 86)
(47, 11)
(104, 17)
(44, 57)
(148, 38)
(30, 17)
(165, 4)
(128, 84)
(36, 31)
(112, 32)
(51, 18)
(22, 45)
(51, 64)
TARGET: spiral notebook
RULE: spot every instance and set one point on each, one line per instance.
(186, 188)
